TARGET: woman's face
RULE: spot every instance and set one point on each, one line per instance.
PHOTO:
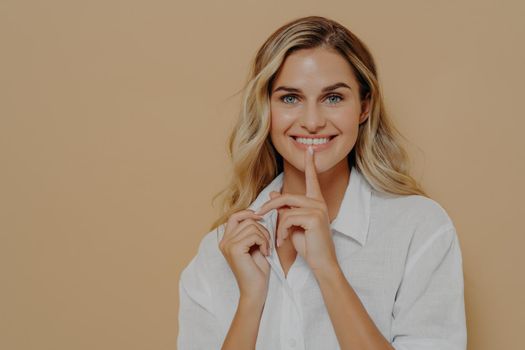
(315, 98)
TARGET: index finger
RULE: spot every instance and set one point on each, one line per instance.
(313, 189)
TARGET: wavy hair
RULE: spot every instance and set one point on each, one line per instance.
(377, 154)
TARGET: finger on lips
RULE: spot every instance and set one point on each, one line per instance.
(278, 201)
(313, 189)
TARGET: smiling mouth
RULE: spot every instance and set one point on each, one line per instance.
(314, 141)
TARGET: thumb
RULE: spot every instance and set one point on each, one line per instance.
(274, 194)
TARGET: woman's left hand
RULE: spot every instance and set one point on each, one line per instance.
(307, 220)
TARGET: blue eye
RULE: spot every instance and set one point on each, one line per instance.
(290, 99)
(283, 98)
(337, 96)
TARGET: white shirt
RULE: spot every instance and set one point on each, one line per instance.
(400, 254)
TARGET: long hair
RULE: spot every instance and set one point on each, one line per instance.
(377, 154)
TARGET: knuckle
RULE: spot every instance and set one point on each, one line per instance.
(231, 219)
(236, 215)
(250, 221)
(318, 212)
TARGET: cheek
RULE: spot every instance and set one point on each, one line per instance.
(280, 120)
(347, 120)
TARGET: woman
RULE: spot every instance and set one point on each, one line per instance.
(326, 242)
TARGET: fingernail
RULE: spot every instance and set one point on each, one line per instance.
(310, 150)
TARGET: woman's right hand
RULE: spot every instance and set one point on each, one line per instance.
(243, 245)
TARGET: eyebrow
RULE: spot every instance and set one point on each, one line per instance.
(325, 89)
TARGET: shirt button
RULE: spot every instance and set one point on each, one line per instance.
(291, 342)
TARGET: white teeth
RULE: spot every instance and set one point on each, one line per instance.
(310, 141)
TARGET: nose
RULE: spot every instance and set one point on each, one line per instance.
(312, 119)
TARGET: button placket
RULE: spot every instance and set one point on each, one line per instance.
(290, 337)
(269, 222)
(292, 316)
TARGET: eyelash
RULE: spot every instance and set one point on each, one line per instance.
(292, 95)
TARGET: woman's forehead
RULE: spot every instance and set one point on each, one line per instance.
(314, 69)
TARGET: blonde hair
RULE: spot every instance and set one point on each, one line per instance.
(377, 154)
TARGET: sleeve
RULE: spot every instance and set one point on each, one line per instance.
(429, 309)
(198, 327)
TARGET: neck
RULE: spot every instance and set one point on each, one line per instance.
(333, 184)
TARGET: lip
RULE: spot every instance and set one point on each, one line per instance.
(319, 136)
(316, 148)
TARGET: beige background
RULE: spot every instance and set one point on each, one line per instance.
(113, 124)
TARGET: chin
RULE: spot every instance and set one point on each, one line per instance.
(320, 167)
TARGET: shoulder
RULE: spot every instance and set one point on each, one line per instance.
(411, 210)
(207, 258)
(208, 274)
(209, 243)
(423, 221)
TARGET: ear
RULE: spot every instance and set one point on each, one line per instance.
(366, 108)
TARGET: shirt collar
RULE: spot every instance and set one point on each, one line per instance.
(353, 218)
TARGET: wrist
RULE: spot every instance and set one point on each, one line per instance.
(251, 302)
(328, 272)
